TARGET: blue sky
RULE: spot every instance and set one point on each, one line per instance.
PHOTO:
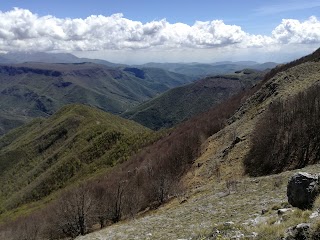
(249, 14)
(254, 18)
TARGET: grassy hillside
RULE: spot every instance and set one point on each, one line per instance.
(228, 149)
(219, 210)
(38, 90)
(49, 154)
(181, 103)
(293, 141)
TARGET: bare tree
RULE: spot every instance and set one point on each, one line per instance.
(73, 213)
(117, 201)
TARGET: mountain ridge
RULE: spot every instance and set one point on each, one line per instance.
(74, 143)
(31, 90)
(181, 103)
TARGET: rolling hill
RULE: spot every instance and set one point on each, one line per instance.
(31, 90)
(77, 142)
(181, 103)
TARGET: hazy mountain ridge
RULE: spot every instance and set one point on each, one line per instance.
(194, 69)
(43, 57)
(201, 70)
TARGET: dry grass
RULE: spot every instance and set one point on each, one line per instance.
(242, 125)
(208, 208)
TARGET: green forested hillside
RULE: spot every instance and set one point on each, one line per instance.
(49, 154)
(181, 103)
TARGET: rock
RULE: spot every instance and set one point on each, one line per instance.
(302, 190)
(299, 232)
(314, 215)
(258, 220)
(228, 224)
(281, 211)
(237, 235)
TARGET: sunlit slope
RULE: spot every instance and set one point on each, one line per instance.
(75, 143)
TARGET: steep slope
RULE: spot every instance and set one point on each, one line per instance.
(48, 154)
(179, 104)
(224, 153)
(37, 89)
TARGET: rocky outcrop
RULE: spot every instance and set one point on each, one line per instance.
(302, 190)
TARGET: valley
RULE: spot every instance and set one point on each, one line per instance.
(181, 103)
(199, 177)
(31, 90)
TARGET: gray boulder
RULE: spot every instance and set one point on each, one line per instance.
(299, 232)
(302, 190)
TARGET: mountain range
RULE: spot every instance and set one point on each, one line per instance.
(30, 90)
(196, 70)
(201, 70)
(38, 84)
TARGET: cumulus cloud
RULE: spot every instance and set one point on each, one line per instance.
(294, 31)
(21, 29)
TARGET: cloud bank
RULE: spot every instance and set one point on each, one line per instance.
(22, 30)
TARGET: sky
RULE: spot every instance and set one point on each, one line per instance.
(140, 31)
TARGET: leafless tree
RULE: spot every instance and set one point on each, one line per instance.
(73, 213)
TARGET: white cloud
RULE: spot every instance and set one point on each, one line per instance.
(294, 31)
(21, 29)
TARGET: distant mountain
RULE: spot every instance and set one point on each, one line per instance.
(201, 70)
(42, 57)
(45, 155)
(243, 63)
(39, 89)
(194, 69)
(181, 103)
